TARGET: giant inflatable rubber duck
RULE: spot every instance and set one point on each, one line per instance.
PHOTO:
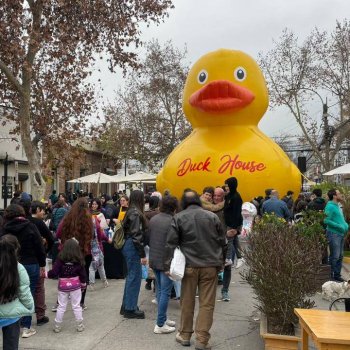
(225, 96)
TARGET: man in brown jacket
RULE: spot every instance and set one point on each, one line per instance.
(201, 238)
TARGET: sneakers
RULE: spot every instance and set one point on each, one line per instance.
(165, 329)
(42, 321)
(91, 286)
(28, 332)
(228, 262)
(54, 308)
(154, 301)
(170, 323)
(57, 327)
(83, 306)
(80, 326)
(240, 262)
(105, 283)
(134, 314)
(182, 341)
(225, 296)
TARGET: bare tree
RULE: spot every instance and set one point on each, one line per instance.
(149, 107)
(299, 73)
(47, 51)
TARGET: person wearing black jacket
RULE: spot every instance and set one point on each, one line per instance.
(31, 255)
(37, 218)
(233, 215)
(134, 226)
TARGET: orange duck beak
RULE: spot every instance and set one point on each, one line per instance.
(221, 96)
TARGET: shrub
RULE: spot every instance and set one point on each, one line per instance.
(282, 267)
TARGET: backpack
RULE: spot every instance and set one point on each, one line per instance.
(119, 236)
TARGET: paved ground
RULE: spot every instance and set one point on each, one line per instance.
(236, 323)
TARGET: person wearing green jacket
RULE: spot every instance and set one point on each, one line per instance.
(336, 230)
(16, 298)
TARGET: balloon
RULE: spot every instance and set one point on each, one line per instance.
(224, 98)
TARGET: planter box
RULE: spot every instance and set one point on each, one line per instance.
(277, 341)
(323, 276)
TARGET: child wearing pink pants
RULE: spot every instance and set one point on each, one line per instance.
(69, 268)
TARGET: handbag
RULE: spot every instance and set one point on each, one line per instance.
(69, 284)
(119, 236)
(97, 255)
(177, 266)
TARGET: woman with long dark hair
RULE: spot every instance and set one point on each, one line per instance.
(78, 224)
(16, 300)
(31, 254)
(134, 225)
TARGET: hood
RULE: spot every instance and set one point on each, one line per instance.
(232, 184)
(16, 226)
(25, 196)
(319, 200)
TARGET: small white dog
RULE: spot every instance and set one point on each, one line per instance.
(333, 290)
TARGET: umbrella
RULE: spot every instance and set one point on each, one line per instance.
(139, 176)
(344, 169)
(94, 178)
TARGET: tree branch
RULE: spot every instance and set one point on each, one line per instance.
(11, 78)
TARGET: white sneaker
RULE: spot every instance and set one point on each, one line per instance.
(54, 308)
(240, 262)
(154, 301)
(170, 323)
(28, 332)
(105, 283)
(228, 262)
(80, 326)
(165, 329)
(91, 286)
(57, 327)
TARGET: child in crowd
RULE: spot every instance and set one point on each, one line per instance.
(69, 268)
(16, 299)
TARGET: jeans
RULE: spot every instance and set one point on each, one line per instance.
(100, 269)
(227, 278)
(10, 336)
(33, 271)
(164, 286)
(133, 277)
(336, 244)
(63, 298)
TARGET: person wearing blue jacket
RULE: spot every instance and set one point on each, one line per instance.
(336, 229)
(16, 299)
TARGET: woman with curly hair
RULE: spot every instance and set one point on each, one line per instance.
(78, 224)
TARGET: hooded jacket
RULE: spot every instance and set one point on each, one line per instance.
(335, 219)
(32, 250)
(317, 204)
(233, 205)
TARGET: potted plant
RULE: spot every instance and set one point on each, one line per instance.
(281, 264)
(312, 226)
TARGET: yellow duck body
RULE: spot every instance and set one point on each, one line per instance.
(224, 98)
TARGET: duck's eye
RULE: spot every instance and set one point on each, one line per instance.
(240, 74)
(202, 76)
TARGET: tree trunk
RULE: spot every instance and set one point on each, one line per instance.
(38, 183)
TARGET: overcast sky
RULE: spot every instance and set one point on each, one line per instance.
(248, 25)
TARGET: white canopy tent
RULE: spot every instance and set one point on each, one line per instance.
(344, 169)
(94, 179)
(139, 176)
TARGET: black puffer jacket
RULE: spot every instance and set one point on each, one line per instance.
(32, 249)
(233, 205)
(200, 236)
(134, 226)
(158, 229)
(317, 204)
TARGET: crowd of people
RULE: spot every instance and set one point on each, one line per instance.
(211, 229)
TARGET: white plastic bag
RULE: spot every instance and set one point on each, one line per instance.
(177, 267)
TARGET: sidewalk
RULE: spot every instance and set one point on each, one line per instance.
(236, 323)
(233, 328)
